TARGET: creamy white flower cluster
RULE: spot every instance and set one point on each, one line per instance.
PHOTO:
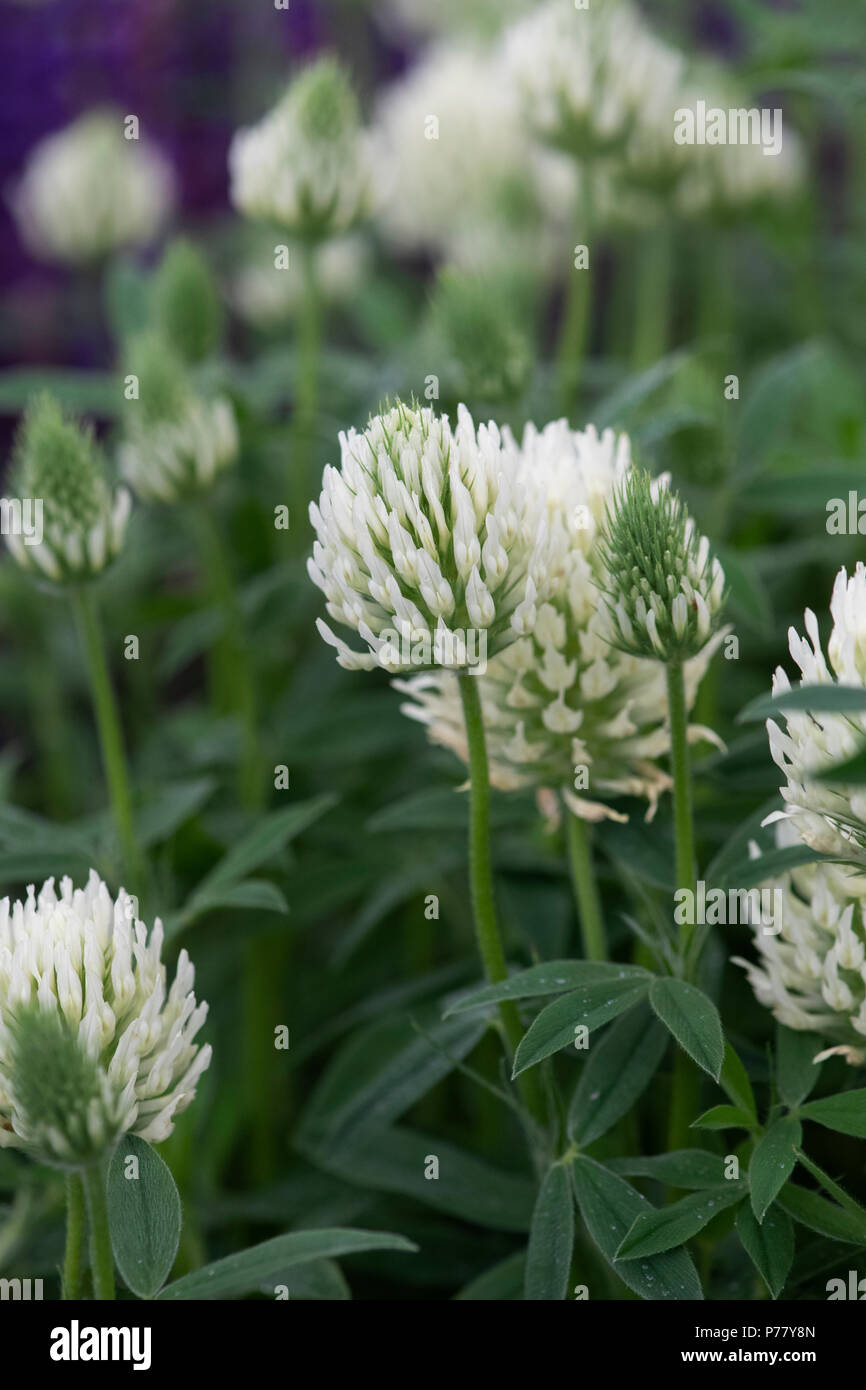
(424, 536)
(812, 974)
(584, 75)
(829, 817)
(563, 710)
(457, 173)
(84, 957)
(59, 467)
(305, 165)
(87, 190)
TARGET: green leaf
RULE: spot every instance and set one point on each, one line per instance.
(553, 977)
(796, 1072)
(769, 1245)
(817, 699)
(735, 1081)
(588, 1007)
(618, 1070)
(503, 1283)
(694, 1021)
(609, 1207)
(655, 1231)
(683, 1168)
(852, 771)
(250, 1270)
(772, 863)
(551, 1238)
(814, 1211)
(143, 1215)
(175, 803)
(723, 1117)
(772, 1162)
(379, 1072)
(467, 1187)
(257, 893)
(845, 1113)
(322, 1281)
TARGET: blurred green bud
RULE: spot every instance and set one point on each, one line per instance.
(177, 441)
(60, 470)
(664, 591)
(186, 306)
(492, 354)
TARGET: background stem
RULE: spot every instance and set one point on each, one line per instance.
(652, 310)
(110, 735)
(74, 1237)
(309, 345)
(101, 1257)
(585, 887)
(575, 328)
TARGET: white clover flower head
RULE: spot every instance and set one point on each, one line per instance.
(563, 710)
(457, 174)
(663, 590)
(423, 535)
(305, 165)
(94, 1043)
(829, 816)
(812, 972)
(585, 74)
(58, 464)
(87, 191)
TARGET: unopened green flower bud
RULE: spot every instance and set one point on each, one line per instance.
(492, 356)
(187, 310)
(664, 591)
(59, 469)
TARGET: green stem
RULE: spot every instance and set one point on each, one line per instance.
(653, 297)
(481, 881)
(683, 830)
(686, 1080)
(101, 1258)
(585, 887)
(232, 656)
(575, 328)
(110, 735)
(74, 1236)
(309, 344)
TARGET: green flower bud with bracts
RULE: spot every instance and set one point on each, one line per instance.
(177, 441)
(663, 590)
(491, 355)
(59, 470)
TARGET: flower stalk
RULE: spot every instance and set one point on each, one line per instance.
(74, 1237)
(101, 1257)
(585, 887)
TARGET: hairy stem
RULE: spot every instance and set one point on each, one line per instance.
(101, 1257)
(74, 1236)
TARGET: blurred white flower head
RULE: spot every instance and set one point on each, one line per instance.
(829, 816)
(87, 191)
(423, 531)
(456, 171)
(305, 165)
(84, 519)
(563, 710)
(94, 1043)
(812, 974)
(584, 75)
